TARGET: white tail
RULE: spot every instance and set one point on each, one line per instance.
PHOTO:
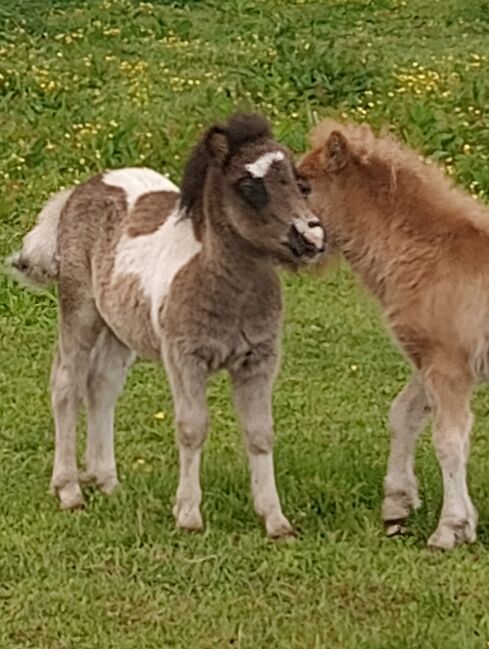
(37, 263)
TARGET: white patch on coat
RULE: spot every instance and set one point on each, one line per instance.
(311, 229)
(259, 168)
(138, 181)
(156, 258)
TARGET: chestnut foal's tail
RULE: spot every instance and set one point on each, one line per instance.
(37, 263)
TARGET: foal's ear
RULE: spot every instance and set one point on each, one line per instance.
(336, 152)
(217, 144)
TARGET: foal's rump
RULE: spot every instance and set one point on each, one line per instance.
(137, 200)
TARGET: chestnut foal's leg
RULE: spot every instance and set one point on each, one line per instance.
(252, 390)
(450, 390)
(408, 414)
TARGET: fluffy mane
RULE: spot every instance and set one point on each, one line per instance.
(369, 149)
(385, 152)
(240, 129)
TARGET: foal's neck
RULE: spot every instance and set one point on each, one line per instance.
(374, 240)
(393, 239)
(223, 249)
(225, 253)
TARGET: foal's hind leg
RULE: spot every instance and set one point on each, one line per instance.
(79, 327)
(253, 400)
(408, 413)
(109, 362)
(450, 392)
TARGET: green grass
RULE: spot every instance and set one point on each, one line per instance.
(88, 85)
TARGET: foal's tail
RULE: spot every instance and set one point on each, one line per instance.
(37, 263)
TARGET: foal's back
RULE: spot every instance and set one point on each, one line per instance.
(121, 243)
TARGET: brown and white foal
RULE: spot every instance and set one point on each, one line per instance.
(185, 277)
(422, 247)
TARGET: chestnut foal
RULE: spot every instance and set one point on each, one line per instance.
(421, 246)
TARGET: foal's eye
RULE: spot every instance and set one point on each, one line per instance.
(253, 190)
(304, 187)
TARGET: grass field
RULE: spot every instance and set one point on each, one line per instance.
(88, 85)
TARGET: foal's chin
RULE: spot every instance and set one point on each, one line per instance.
(292, 262)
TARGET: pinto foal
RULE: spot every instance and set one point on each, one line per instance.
(420, 245)
(185, 278)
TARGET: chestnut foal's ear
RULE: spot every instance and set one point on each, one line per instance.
(336, 152)
(217, 144)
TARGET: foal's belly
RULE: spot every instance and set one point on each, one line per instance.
(127, 311)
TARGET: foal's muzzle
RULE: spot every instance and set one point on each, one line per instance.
(306, 238)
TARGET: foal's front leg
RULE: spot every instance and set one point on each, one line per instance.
(253, 400)
(188, 383)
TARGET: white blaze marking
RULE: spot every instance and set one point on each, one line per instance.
(138, 181)
(260, 167)
(156, 258)
(313, 233)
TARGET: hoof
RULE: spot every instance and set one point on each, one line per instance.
(279, 528)
(188, 518)
(396, 527)
(397, 507)
(69, 495)
(448, 535)
(106, 483)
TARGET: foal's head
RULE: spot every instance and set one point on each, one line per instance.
(243, 183)
(350, 171)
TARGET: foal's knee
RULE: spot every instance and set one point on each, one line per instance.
(450, 445)
(192, 431)
(259, 440)
(410, 408)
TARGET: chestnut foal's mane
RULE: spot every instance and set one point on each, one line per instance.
(368, 148)
(394, 159)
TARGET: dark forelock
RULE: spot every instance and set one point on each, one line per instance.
(242, 128)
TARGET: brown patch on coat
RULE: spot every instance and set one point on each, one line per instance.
(90, 228)
(150, 212)
(124, 296)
